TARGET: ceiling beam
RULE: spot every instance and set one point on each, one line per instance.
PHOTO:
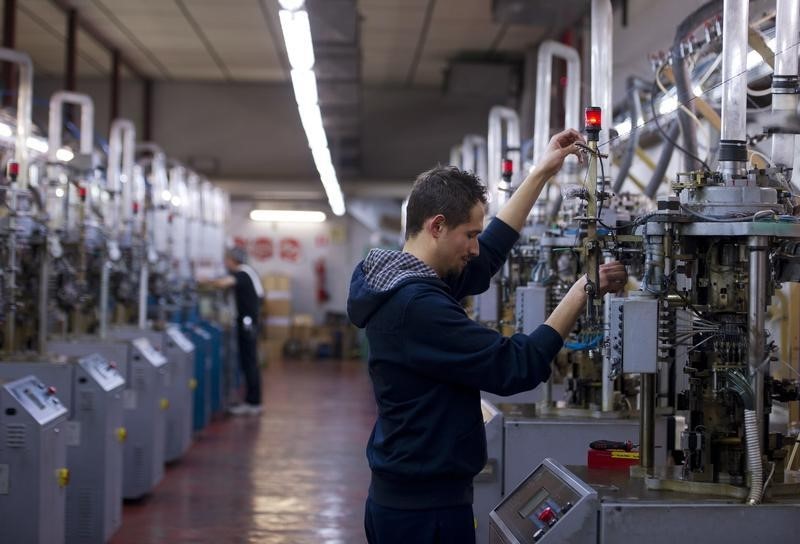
(89, 28)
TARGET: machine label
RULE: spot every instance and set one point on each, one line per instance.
(129, 400)
(72, 433)
(4, 479)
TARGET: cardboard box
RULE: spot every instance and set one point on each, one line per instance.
(302, 326)
(271, 351)
(277, 327)
(276, 283)
(280, 307)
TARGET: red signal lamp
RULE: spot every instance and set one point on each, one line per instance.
(508, 167)
(593, 121)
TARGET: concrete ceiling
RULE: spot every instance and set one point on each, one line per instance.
(402, 42)
(393, 45)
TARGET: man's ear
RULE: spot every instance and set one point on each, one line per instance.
(436, 226)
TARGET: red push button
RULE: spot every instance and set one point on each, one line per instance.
(51, 390)
(547, 516)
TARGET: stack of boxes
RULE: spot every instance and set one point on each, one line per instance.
(276, 316)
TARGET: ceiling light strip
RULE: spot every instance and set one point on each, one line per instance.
(299, 47)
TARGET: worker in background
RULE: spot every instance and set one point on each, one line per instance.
(249, 295)
(428, 361)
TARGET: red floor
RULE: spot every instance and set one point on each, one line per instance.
(296, 474)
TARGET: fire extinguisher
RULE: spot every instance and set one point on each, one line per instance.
(322, 293)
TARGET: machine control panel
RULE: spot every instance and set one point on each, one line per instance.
(102, 371)
(537, 510)
(36, 398)
(146, 349)
(180, 340)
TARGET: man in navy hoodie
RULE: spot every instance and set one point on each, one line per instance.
(428, 361)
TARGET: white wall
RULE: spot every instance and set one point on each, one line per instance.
(339, 242)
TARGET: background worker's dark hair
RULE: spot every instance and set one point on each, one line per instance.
(445, 190)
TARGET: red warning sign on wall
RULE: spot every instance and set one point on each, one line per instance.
(262, 248)
(290, 250)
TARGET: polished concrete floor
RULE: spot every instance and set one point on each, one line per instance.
(295, 474)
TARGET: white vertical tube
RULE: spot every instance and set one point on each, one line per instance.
(544, 80)
(56, 120)
(24, 105)
(734, 69)
(602, 62)
(455, 156)
(784, 79)
(121, 150)
(501, 117)
(474, 155)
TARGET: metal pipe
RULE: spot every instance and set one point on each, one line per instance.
(757, 303)
(663, 161)
(784, 78)
(144, 278)
(9, 42)
(455, 156)
(24, 104)
(121, 157)
(602, 62)
(473, 151)
(105, 276)
(496, 138)
(56, 120)
(635, 111)
(115, 81)
(544, 80)
(607, 391)
(734, 69)
(11, 287)
(647, 423)
(44, 284)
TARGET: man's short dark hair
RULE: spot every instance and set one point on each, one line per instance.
(237, 254)
(445, 190)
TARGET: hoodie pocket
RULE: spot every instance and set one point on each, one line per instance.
(469, 453)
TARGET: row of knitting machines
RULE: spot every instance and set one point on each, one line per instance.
(666, 415)
(111, 356)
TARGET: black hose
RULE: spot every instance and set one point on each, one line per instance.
(634, 85)
(681, 74)
(663, 160)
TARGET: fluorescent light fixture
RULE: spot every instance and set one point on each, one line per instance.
(64, 155)
(292, 5)
(37, 144)
(305, 87)
(299, 47)
(59, 192)
(166, 196)
(311, 117)
(287, 216)
(297, 37)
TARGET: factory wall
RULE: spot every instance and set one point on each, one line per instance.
(252, 130)
(297, 250)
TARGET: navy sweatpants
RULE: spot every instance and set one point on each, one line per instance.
(452, 525)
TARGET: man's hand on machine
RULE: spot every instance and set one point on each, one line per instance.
(613, 277)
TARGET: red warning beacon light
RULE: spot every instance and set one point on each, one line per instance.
(508, 169)
(593, 122)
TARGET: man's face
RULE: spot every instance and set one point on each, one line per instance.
(230, 264)
(459, 244)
